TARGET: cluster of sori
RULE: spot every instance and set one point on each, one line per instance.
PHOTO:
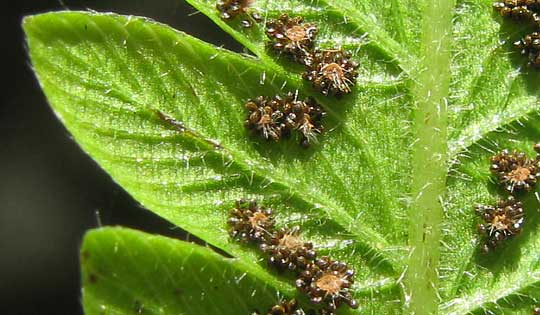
(332, 72)
(276, 118)
(501, 221)
(515, 173)
(525, 10)
(528, 11)
(292, 37)
(325, 281)
(230, 9)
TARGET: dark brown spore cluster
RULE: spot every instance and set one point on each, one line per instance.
(527, 11)
(292, 37)
(515, 171)
(249, 222)
(306, 118)
(517, 174)
(286, 249)
(266, 117)
(332, 72)
(325, 281)
(530, 47)
(276, 118)
(501, 221)
(524, 10)
(230, 9)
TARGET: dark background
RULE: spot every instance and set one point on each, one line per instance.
(50, 191)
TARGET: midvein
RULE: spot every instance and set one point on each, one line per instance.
(429, 158)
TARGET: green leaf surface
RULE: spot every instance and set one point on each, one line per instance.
(121, 269)
(390, 188)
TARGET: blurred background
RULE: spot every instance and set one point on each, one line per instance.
(50, 191)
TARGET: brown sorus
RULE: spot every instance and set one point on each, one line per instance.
(230, 9)
(332, 72)
(266, 117)
(327, 282)
(286, 250)
(249, 222)
(307, 119)
(292, 37)
(521, 10)
(276, 118)
(515, 171)
(501, 222)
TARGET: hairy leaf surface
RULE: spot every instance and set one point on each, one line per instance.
(390, 188)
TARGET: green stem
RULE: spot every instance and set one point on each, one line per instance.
(429, 158)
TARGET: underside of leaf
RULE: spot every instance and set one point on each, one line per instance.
(390, 188)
